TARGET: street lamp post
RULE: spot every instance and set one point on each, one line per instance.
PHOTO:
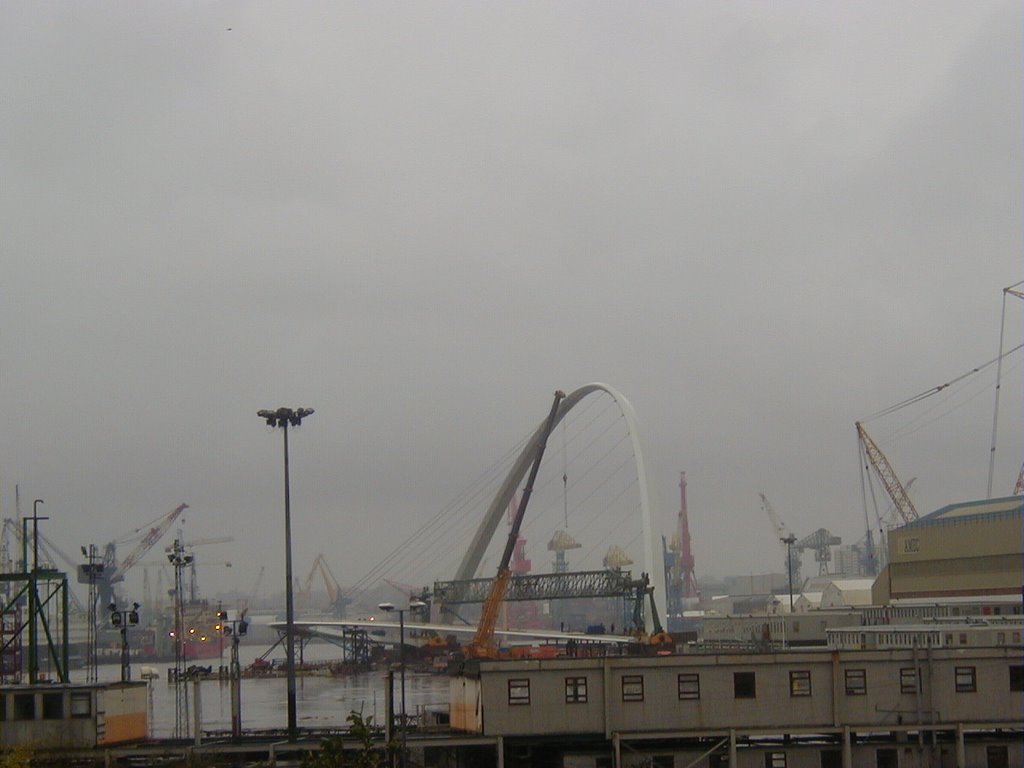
(415, 605)
(285, 417)
(789, 541)
(234, 628)
(122, 619)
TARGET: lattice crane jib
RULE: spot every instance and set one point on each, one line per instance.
(153, 535)
(901, 501)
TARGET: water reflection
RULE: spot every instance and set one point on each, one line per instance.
(322, 702)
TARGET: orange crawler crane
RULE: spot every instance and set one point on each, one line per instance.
(482, 646)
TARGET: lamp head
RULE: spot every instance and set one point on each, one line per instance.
(386, 607)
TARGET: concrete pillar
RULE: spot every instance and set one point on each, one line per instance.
(500, 746)
(961, 752)
(847, 748)
(732, 748)
(616, 751)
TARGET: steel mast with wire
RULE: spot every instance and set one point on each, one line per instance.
(1013, 290)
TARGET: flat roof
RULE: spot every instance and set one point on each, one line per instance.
(968, 510)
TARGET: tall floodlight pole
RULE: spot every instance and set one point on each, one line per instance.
(789, 541)
(285, 417)
(180, 560)
(92, 570)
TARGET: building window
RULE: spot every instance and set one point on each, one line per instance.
(689, 686)
(53, 706)
(575, 690)
(887, 758)
(963, 638)
(518, 691)
(24, 706)
(909, 680)
(800, 682)
(774, 760)
(81, 704)
(831, 758)
(1017, 677)
(966, 680)
(632, 687)
(856, 682)
(744, 685)
(997, 756)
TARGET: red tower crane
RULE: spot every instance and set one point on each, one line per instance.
(688, 579)
(526, 614)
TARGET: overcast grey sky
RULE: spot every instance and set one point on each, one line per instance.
(759, 221)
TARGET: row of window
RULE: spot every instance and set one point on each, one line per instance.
(745, 684)
(996, 756)
(23, 706)
(910, 638)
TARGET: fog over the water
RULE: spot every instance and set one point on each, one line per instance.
(760, 222)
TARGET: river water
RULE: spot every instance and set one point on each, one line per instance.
(321, 702)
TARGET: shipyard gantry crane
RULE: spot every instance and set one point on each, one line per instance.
(338, 600)
(820, 542)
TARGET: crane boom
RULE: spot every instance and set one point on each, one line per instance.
(777, 526)
(153, 535)
(212, 540)
(901, 501)
(482, 645)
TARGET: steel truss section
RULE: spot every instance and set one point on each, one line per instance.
(43, 591)
(541, 586)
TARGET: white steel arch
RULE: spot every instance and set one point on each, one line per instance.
(654, 564)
